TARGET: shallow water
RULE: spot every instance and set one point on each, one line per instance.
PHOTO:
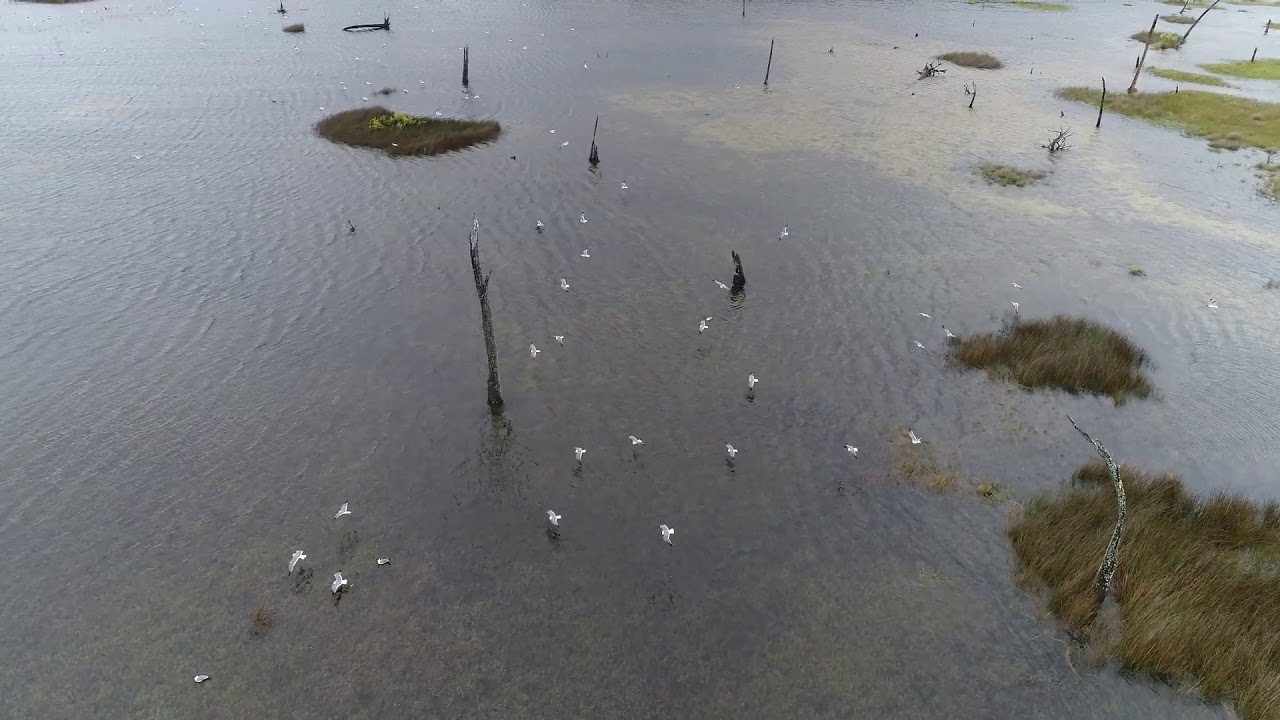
(199, 364)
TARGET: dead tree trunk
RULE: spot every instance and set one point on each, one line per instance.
(768, 67)
(1254, 56)
(1187, 34)
(1107, 569)
(466, 66)
(1133, 86)
(486, 318)
(1101, 103)
(973, 94)
(744, 8)
(739, 279)
(594, 157)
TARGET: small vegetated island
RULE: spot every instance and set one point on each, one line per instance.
(403, 134)
(1072, 354)
(973, 59)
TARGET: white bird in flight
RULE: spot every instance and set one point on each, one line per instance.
(553, 518)
(912, 434)
(578, 453)
(733, 451)
(341, 511)
(564, 144)
(202, 678)
(1016, 285)
(558, 338)
(1213, 305)
(918, 344)
(553, 131)
(702, 325)
(585, 254)
(852, 450)
(539, 226)
(384, 561)
(1015, 305)
(751, 380)
(533, 351)
(721, 285)
(786, 230)
(667, 532)
(635, 440)
(338, 582)
(624, 184)
(926, 315)
(948, 332)
(564, 285)
(582, 217)
(297, 555)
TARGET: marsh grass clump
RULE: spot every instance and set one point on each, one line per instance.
(988, 491)
(1159, 40)
(1230, 141)
(390, 91)
(295, 28)
(979, 60)
(1072, 354)
(1210, 115)
(1137, 272)
(403, 134)
(1189, 77)
(1178, 19)
(261, 621)
(1025, 4)
(1265, 69)
(1008, 175)
(1197, 586)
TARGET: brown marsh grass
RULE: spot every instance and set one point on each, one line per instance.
(261, 621)
(1007, 175)
(969, 58)
(424, 136)
(1072, 354)
(1197, 592)
(295, 28)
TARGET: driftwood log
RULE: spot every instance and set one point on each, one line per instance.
(931, 69)
(1107, 570)
(384, 25)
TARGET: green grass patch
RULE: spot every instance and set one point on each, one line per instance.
(1072, 354)
(1206, 114)
(1007, 175)
(295, 28)
(1197, 584)
(1189, 77)
(979, 60)
(1159, 40)
(1267, 69)
(402, 134)
(1178, 19)
(1047, 7)
(1137, 272)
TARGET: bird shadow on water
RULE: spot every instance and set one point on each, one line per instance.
(553, 536)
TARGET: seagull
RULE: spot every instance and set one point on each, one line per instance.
(578, 453)
(1212, 304)
(948, 332)
(721, 285)
(297, 555)
(751, 380)
(582, 217)
(733, 451)
(667, 532)
(533, 351)
(635, 440)
(584, 66)
(1015, 305)
(585, 254)
(553, 131)
(558, 338)
(785, 231)
(912, 434)
(564, 144)
(1016, 285)
(384, 561)
(202, 678)
(564, 285)
(853, 450)
(917, 342)
(539, 226)
(624, 184)
(702, 326)
(553, 518)
(139, 157)
(338, 582)
(341, 511)
(926, 315)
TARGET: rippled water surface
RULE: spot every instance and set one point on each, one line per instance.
(198, 364)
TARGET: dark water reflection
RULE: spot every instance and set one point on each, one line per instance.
(199, 364)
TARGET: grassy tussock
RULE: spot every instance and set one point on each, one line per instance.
(1189, 77)
(979, 60)
(1076, 355)
(1137, 272)
(1007, 175)
(261, 621)
(424, 136)
(1197, 589)
(1179, 19)
(1265, 69)
(1159, 40)
(1209, 115)
(1271, 187)
(295, 28)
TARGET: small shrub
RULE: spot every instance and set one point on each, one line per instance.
(1007, 175)
(1137, 272)
(295, 28)
(979, 60)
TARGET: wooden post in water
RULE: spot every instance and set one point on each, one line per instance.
(486, 318)
(744, 8)
(770, 65)
(1101, 103)
(1187, 34)
(1255, 55)
(1265, 28)
(1133, 86)
(594, 157)
(974, 96)
(466, 66)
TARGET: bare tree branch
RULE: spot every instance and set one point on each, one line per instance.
(1107, 570)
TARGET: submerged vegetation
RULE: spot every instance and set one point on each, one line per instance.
(1007, 175)
(979, 60)
(1178, 19)
(1196, 587)
(403, 134)
(1188, 77)
(295, 28)
(1266, 69)
(1159, 40)
(1048, 7)
(1061, 352)
(1206, 114)
(1137, 272)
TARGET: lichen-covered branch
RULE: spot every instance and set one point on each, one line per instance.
(1107, 569)
(486, 317)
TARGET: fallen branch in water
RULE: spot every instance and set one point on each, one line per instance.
(384, 25)
(931, 69)
(1107, 569)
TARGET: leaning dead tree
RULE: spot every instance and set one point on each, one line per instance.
(739, 279)
(486, 317)
(769, 66)
(1187, 34)
(384, 25)
(1133, 86)
(972, 92)
(1107, 570)
(1059, 142)
(931, 69)
(594, 157)
(1101, 103)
